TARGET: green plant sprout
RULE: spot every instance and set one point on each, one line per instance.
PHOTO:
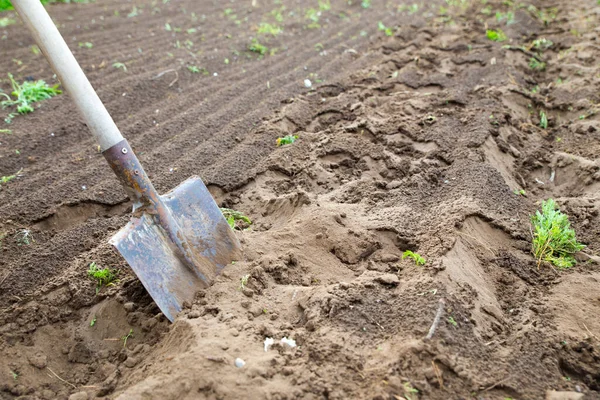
(244, 281)
(28, 93)
(496, 35)
(415, 256)
(6, 179)
(365, 4)
(387, 30)
(554, 240)
(536, 65)
(256, 47)
(542, 44)
(269, 29)
(15, 375)
(409, 390)
(519, 192)
(93, 321)
(508, 16)
(289, 139)
(87, 45)
(452, 321)
(128, 336)
(196, 70)
(5, 21)
(102, 276)
(232, 216)
(120, 65)
(543, 120)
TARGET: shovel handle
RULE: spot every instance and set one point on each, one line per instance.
(69, 72)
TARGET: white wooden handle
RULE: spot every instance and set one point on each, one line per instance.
(69, 72)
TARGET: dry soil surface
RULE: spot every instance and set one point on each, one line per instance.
(425, 137)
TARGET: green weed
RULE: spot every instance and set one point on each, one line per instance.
(496, 35)
(289, 139)
(324, 5)
(24, 237)
(128, 336)
(233, 216)
(452, 321)
(256, 47)
(7, 131)
(6, 179)
(196, 70)
(554, 240)
(536, 65)
(87, 45)
(102, 276)
(244, 281)
(415, 256)
(509, 17)
(15, 375)
(409, 390)
(519, 192)
(28, 93)
(543, 120)
(93, 321)
(120, 65)
(367, 3)
(5, 21)
(388, 31)
(269, 29)
(542, 44)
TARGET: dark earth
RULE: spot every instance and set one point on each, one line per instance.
(425, 137)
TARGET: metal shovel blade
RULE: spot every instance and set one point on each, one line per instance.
(147, 249)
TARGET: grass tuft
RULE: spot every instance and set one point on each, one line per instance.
(554, 240)
(28, 93)
(102, 276)
(233, 216)
(415, 256)
(496, 35)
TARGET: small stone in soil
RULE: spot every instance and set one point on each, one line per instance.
(239, 362)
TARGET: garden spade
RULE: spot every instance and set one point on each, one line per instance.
(176, 243)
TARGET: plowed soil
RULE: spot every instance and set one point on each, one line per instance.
(429, 139)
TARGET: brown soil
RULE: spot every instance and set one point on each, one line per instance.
(410, 142)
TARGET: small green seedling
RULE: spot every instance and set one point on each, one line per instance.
(452, 321)
(28, 93)
(87, 45)
(244, 281)
(542, 44)
(102, 276)
(387, 30)
(496, 35)
(365, 4)
(536, 65)
(120, 65)
(15, 375)
(289, 139)
(415, 256)
(93, 321)
(232, 216)
(8, 132)
(554, 240)
(24, 237)
(508, 16)
(128, 336)
(269, 29)
(519, 192)
(5, 21)
(197, 70)
(409, 390)
(543, 120)
(6, 179)
(256, 47)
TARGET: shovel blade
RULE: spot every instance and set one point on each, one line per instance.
(153, 258)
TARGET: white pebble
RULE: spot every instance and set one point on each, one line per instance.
(307, 83)
(239, 362)
(268, 342)
(289, 342)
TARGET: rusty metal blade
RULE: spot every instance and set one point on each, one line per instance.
(152, 256)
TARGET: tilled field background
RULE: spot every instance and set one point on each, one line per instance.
(419, 141)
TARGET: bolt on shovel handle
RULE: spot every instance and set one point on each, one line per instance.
(69, 72)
